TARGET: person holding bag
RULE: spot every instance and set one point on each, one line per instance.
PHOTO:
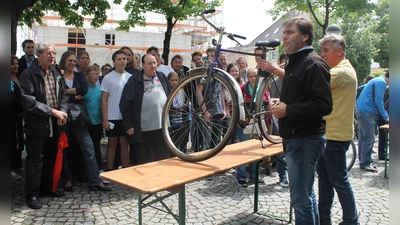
(77, 87)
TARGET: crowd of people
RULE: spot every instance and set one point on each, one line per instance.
(314, 100)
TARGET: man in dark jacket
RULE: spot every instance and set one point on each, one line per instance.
(305, 99)
(45, 105)
(141, 105)
(26, 60)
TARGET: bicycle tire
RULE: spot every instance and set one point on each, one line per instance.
(267, 125)
(351, 155)
(193, 123)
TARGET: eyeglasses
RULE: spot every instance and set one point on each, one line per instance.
(51, 53)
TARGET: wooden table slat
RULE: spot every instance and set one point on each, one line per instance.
(165, 174)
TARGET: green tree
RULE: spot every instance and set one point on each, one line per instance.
(174, 10)
(354, 17)
(382, 29)
(361, 43)
(30, 11)
(321, 10)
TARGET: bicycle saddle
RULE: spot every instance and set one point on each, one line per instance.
(271, 43)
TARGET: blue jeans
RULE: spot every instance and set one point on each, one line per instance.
(216, 130)
(241, 172)
(301, 156)
(85, 143)
(366, 136)
(332, 174)
(279, 167)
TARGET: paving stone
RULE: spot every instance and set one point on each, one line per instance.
(217, 201)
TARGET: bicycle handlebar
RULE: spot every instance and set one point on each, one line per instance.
(208, 11)
(230, 35)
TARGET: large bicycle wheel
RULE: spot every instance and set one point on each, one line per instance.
(195, 139)
(351, 155)
(268, 125)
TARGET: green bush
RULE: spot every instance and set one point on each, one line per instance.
(378, 73)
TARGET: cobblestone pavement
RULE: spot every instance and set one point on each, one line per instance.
(208, 201)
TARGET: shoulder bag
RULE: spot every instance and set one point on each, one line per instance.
(79, 116)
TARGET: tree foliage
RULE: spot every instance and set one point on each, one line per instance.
(174, 10)
(30, 11)
(321, 10)
(360, 43)
(73, 12)
(382, 29)
(355, 19)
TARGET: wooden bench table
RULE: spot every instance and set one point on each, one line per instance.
(172, 174)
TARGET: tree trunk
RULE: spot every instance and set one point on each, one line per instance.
(167, 40)
(17, 7)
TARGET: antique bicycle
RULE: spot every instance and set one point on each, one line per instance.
(198, 137)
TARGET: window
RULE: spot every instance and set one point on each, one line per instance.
(110, 39)
(76, 36)
(273, 55)
(76, 50)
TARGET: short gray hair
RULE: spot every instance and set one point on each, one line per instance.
(337, 42)
(241, 57)
(39, 48)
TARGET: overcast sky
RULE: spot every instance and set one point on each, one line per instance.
(246, 17)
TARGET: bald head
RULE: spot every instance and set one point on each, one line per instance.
(149, 64)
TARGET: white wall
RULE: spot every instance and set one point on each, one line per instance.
(101, 53)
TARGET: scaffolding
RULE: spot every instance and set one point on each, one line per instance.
(192, 34)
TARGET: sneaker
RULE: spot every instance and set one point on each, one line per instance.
(369, 168)
(15, 176)
(106, 182)
(231, 171)
(242, 183)
(284, 182)
(33, 203)
(270, 171)
(260, 182)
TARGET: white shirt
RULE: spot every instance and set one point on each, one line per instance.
(114, 83)
(165, 69)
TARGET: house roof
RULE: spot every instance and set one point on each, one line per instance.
(275, 30)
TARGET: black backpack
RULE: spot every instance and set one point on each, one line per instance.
(359, 90)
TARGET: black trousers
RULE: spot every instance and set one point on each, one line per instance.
(381, 139)
(34, 146)
(153, 148)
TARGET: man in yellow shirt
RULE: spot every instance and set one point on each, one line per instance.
(331, 167)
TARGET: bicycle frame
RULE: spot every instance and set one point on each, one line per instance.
(215, 65)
